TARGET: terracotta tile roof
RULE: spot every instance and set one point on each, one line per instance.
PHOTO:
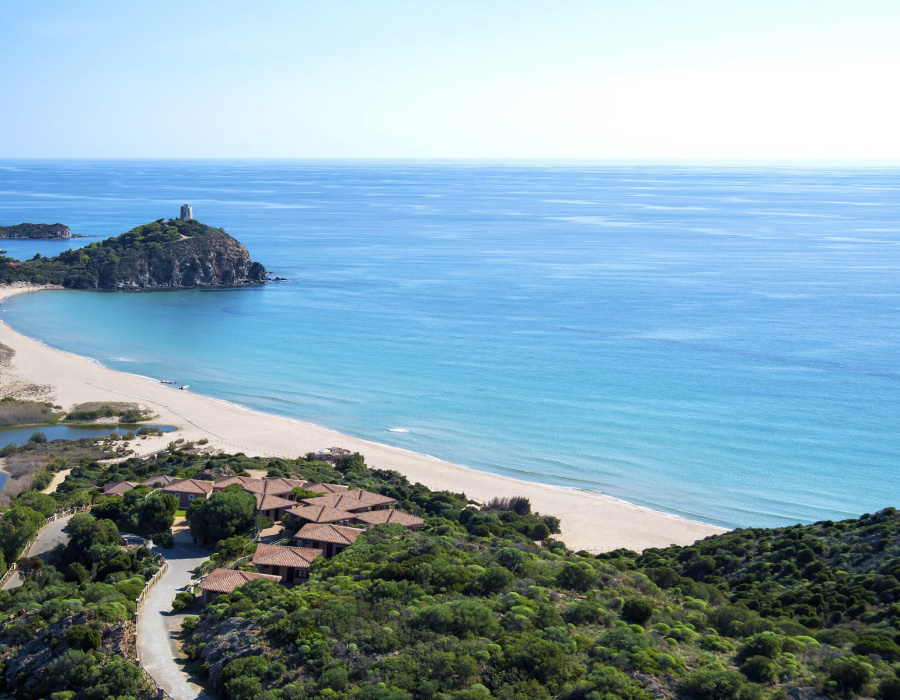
(220, 484)
(320, 514)
(273, 486)
(335, 534)
(326, 488)
(346, 501)
(276, 555)
(161, 480)
(118, 488)
(265, 501)
(226, 580)
(384, 517)
(369, 497)
(189, 486)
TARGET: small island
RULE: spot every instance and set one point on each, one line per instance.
(38, 231)
(163, 254)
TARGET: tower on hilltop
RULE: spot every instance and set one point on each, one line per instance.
(187, 212)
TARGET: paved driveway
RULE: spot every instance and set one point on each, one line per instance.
(47, 539)
(157, 625)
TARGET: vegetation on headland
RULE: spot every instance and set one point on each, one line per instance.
(40, 231)
(68, 630)
(161, 254)
(473, 607)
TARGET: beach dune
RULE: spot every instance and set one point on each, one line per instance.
(590, 521)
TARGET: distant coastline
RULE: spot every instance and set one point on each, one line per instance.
(590, 521)
(37, 232)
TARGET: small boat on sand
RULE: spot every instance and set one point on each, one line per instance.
(166, 381)
(184, 386)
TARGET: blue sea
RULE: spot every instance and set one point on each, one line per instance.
(718, 342)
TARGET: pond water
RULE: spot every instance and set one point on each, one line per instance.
(19, 436)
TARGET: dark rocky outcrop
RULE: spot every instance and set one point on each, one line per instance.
(37, 231)
(160, 255)
(29, 646)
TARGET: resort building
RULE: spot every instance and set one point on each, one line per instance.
(331, 454)
(290, 563)
(162, 480)
(320, 514)
(273, 486)
(331, 539)
(188, 490)
(272, 506)
(220, 484)
(353, 501)
(326, 488)
(389, 517)
(119, 488)
(226, 580)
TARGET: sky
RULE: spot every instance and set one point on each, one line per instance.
(460, 79)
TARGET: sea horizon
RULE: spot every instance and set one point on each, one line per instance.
(551, 324)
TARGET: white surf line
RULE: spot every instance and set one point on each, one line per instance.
(185, 418)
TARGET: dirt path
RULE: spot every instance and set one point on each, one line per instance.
(47, 539)
(157, 625)
(58, 478)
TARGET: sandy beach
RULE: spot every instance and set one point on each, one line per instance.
(590, 521)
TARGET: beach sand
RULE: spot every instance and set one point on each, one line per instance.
(590, 521)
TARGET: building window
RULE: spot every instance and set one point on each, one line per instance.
(190, 497)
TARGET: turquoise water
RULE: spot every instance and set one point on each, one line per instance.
(720, 343)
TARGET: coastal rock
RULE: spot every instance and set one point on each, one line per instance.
(230, 640)
(48, 231)
(27, 655)
(158, 255)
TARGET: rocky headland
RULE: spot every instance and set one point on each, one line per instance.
(39, 231)
(163, 254)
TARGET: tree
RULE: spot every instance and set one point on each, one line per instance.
(849, 676)
(578, 577)
(889, 689)
(85, 531)
(766, 644)
(717, 684)
(29, 567)
(156, 514)
(224, 514)
(759, 668)
(41, 502)
(637, 610)
(17, 526)
(82, 637)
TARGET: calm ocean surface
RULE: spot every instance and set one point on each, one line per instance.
(721, 343)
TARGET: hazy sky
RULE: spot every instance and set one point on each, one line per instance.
(451, 79)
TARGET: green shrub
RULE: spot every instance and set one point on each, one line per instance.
(638, 610)
(82, 637)
(718, 684)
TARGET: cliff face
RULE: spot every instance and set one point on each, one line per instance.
(211, 260)
(36, 231)
(162, 254)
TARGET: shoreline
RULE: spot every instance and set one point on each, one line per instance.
(590, 521)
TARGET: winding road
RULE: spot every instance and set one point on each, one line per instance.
(157, 625)
(46, 540)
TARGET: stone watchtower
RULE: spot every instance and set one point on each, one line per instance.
(187, 212)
